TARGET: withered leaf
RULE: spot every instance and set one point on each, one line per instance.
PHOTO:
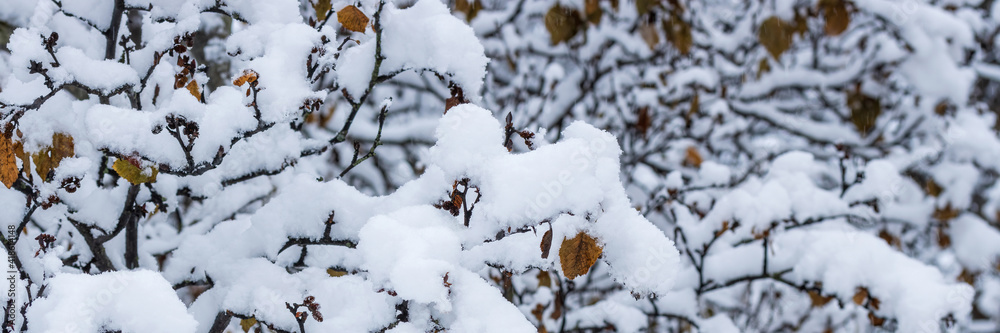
(8, 166)
(469, 9)
(247, 324)
(352, 18)
(48, 158)
(544, 279)
(592, 8)
(818, 300)
(649, 35)
(860, 295)
(946, 213)
(864, 111)
(538, 312)
(836, 15)
(248, 76)
(192, 87)
(876, 320)
(776, 36)
(678, 33)
(546, 244)
(563, 23)
(644, 122)
(692, 158)
(577, 254)
(321, 7)
(335, 273)
(133, 173)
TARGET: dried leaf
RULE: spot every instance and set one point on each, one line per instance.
(818, 300)
(649, 35)
(876, 320)
(932, 188)
(538, 312)
(8, 166)
(469, 9)
(48, 158)
(644, 122)
(592, 8)
(864, 111)
(192, 87)
(546, 244)
(776, 36)
(563, 23)
(133, 173)
(352, 18)
(321, 7)
(860, 295)
(544, 279)
(577, 254)
(678, 33)
(946, 213)
(644, 6)
(836, 15)
(248, 76)
(692, 158)
(335, 273)
(889, 238)
(763, 67)
(247, 324)
(968, 276)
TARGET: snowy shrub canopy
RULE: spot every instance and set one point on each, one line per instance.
(500, 166)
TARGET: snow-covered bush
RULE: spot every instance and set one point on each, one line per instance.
(317, 165)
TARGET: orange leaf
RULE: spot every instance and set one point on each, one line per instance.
(352, 18)
(577, 254)
(8, 167)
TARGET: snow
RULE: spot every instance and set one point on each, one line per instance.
(136, 301)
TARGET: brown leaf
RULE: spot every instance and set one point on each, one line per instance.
(8, 166)
(644, 6)
(695, 106)
(644, 122)
(864, 111)
(592, 8)
(192, 87)
(763, 67)
(563, 23)
(946, 213)
(577, 254)
(469, 9)
(860, 295)
(352, 18)
(678, 33)
(248, 76)
(133, 173)
(776, 36)
(544, 279)
(818, 300)
(48, 158)
(335, 272)
(876, 320)
(321, 7)
(546, 243)
(692, 158)
(932, 188)
(538, 312)
(247, 324)
(649, 35)
(836, 15)
(889, 238)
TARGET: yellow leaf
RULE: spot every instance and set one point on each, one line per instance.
(48, 158)
(8, 167)
(678, 33)
(192, 87)
(133, 174)
(247, 324)
(577, 254)
(563, 23)
(352, 18)
(836, 15)
(321, 7)
(776, 36)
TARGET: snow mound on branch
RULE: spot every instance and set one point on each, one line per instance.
(136, 301)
